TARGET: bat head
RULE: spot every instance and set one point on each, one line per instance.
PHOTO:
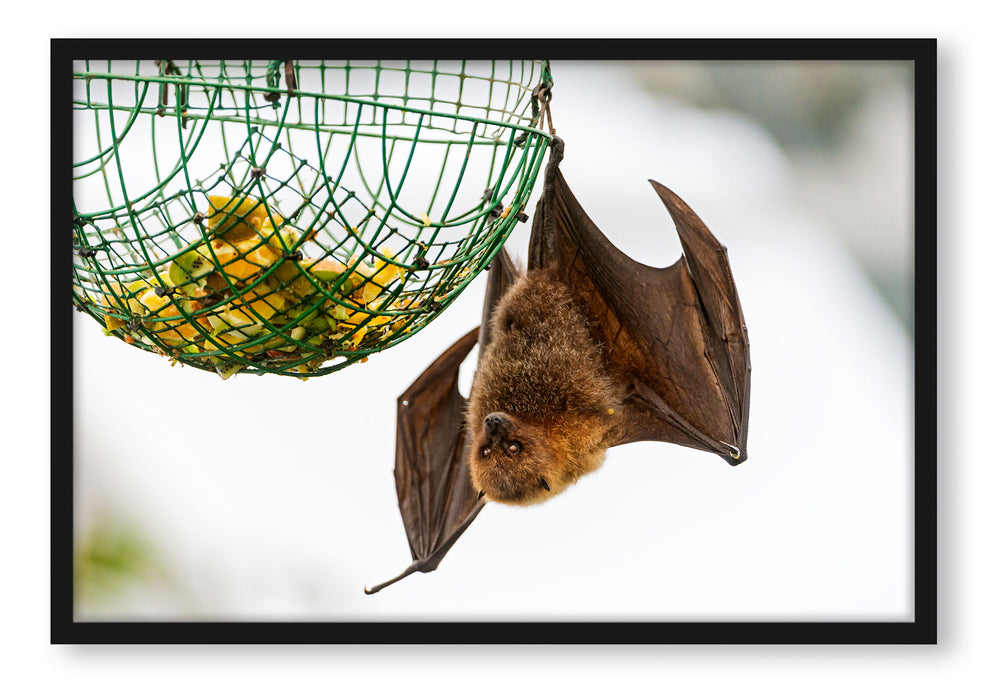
(517, 462)
(511, 460)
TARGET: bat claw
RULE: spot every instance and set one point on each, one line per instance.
(734, 451)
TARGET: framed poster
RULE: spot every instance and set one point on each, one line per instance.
(259, 507)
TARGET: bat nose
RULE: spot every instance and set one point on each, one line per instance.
(494, 423)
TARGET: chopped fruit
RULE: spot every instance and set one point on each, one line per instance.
(125, 299)
(286, 238)
(112, 323)
(152, 301)
(246, 297)
(234, 218)
(188, 267)
(255, 250)
(326, 270)
(234, 264)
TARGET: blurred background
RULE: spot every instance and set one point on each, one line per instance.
(275, 500)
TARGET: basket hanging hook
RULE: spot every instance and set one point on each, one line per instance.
(543, 95)
(273, 77)
(166, 68)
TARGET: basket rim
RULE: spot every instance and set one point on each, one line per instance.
(185, 80)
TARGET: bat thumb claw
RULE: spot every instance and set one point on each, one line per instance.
(734, 452)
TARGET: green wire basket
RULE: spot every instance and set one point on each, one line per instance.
(293, 217)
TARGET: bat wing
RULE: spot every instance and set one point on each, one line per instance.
(436, 498)
(675, 336)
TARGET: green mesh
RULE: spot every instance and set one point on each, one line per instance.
(293, 217)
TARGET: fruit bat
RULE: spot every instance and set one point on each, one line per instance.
(587, 350)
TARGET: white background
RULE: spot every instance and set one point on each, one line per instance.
(811, 672)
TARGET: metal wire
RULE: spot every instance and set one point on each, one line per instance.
(293, 217)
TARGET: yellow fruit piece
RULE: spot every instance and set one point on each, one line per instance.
(377, 278)
(236, 316)
(358, 336)
(264, 301)
(179, 335)
(214, 343)
(225, 253)
(126, 299)
(238, 217)
(256, 251)
(361, 273)
(288, 273)
(254, 304)
(244, 259)
(175, 333)
(326, 270)
(112, 323)
(151, 301)
(356, 318)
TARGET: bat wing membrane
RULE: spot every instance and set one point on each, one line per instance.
(675, 336)
(436, 498)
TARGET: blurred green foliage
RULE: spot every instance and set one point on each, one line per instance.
(108, 557)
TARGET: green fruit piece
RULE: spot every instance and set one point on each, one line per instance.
(326, 270)
(189, 266)
(135, 290)
(280, 321)
(218, 324)
(347, 288)
(297, 314)
(187, 306)
(226, 371)
(320, 324)
(290, 236)
(317, 325)
(177, 276)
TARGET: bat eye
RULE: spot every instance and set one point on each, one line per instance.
(486, 451)
(514, 448)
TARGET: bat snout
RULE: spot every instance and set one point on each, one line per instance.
(496, 424)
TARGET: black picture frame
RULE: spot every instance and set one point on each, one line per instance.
(923, 628)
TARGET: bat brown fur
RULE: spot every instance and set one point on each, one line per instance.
(541, 403)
